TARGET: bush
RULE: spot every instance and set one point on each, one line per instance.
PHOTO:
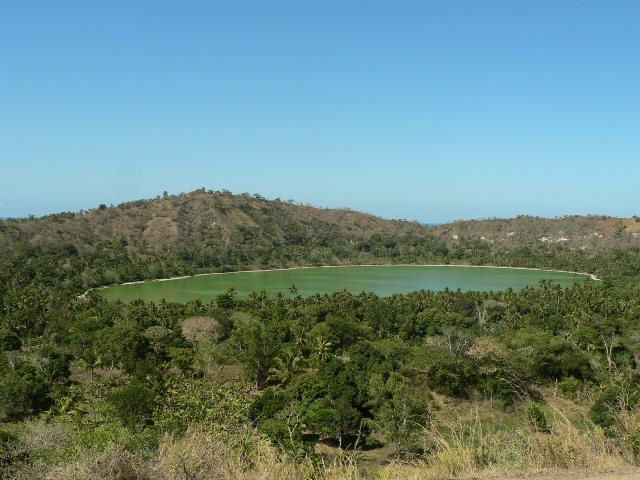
(628, 432)
(537, 418)
(133, 404)
(9, 342)
(181, 357)
(114, 464)
(569, 387)
(451, 375)
(603, 411)
(23, 392)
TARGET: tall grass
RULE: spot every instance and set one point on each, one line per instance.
(463, 449)
(456, 449)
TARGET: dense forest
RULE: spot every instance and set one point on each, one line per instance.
(420, 385)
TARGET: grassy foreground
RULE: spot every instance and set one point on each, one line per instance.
(470, 440)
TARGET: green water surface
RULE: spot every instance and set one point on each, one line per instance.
(382, 280)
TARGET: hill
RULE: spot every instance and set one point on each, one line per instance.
(579, 232)
(218, 231)
(200, 218)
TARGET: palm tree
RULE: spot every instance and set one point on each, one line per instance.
(286, 365)
(321, 349)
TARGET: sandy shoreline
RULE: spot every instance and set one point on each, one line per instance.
(590, 275)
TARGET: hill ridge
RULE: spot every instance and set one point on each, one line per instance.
(205, 231)
(169, 219)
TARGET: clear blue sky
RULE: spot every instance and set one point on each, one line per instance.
(428, 110)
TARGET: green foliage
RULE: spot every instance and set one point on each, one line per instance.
(570, 387)
(537, 418)
(603, 411)
(227, 300)
(134, 404)
(9, 342)
(620, 393)
(204, 402)
(401, 413)
(27, 310)
(181, 357)
(448, 372)
(255, 347)
(23, 391)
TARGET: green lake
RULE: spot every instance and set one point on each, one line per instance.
(382, 280)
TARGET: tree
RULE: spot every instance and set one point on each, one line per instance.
(400, 412)
(227, 300)
(334, 419)
(26, 310)
(285, 366)
(22, 391)
(133, 404)
(255, 347)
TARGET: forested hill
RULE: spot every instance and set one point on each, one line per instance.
(206, 230)
(201, 219)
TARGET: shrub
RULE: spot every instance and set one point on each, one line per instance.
(13, 454)
(113, 464)
(9, 342)
(133, 404)
(23, 392)
(201, 456)
(569, 387)
(450, 374)
(603, 411)
(181, 357)
(628, 432)
(537, 418)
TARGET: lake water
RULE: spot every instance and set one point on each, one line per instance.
(382, 280)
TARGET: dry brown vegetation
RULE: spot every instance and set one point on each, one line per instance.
(583, 232)
(197, 329)
(197, 218)
(201, 217)
(461, 450)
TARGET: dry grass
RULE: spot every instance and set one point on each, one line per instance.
(568, 447)
(199, 455)
(457, 449)
(115, 464)
(468, 450)
(628, 431)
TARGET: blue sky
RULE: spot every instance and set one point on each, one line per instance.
(427, 110)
